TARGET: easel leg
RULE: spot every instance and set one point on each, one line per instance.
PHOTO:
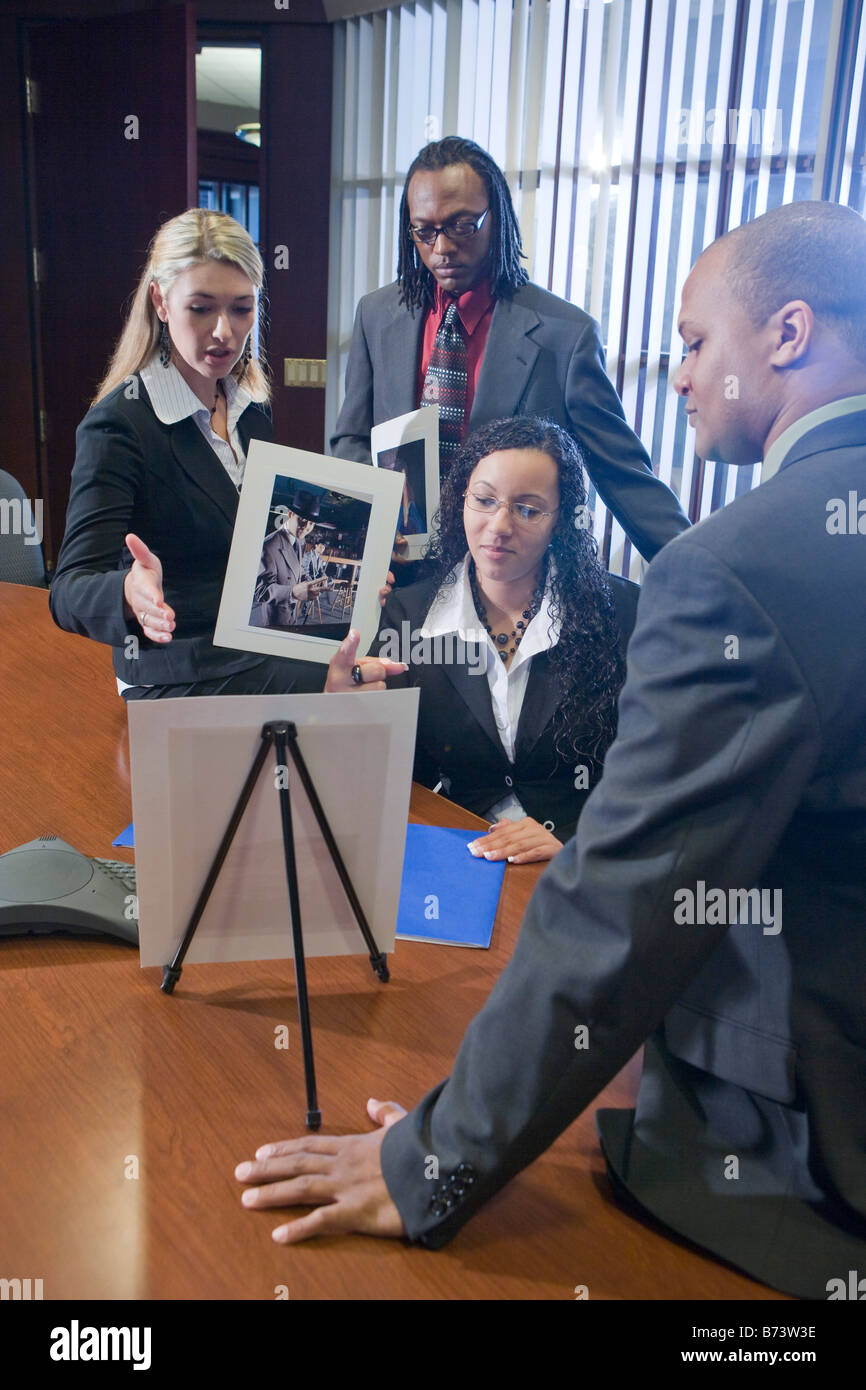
(378, 959)
(279, 732)
(171, 973)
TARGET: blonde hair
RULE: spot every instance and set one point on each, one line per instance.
(195, 236)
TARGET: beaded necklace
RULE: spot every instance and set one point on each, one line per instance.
(518, 632)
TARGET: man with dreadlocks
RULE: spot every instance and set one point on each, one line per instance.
(462, 327)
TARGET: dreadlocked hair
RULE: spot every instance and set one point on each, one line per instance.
(417, 285)
(586, 661)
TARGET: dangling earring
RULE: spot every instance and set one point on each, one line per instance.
(246, 355)
(164, 344)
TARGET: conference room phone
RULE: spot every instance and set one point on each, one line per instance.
(47, 886)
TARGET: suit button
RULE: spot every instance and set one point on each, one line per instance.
(509, 782)
(548, 825)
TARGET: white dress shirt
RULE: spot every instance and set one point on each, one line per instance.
(453, 611)
(173, 400)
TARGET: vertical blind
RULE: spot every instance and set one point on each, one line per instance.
(631, 134)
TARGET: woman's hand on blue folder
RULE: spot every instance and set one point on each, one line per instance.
(518, 841)
(340, 1177)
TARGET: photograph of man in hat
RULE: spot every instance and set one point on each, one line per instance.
(282, 583)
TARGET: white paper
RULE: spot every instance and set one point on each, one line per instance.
(266, 463)
(397, 436)
(189, 761)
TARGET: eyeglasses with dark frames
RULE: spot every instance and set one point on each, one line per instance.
(461, 229)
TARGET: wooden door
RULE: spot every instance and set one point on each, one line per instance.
(111, 155)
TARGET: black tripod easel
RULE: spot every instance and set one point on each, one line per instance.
(283, 736)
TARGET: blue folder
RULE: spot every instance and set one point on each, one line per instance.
(447, 895)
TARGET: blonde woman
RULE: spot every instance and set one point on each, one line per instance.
(160, 459)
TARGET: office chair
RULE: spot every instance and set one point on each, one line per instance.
(21, 560)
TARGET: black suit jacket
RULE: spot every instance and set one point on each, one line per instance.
(165, 484)
(457, 741)
(544, 357)
(740, 762)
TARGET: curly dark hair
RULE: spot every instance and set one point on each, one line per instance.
(586, 660)
(417, 285)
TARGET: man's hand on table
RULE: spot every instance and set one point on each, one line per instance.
(340, 1177)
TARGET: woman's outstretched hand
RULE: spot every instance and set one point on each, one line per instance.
(142, 591)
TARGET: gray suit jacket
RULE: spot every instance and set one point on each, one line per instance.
(543, 357)
(740, 763)
(280, 569)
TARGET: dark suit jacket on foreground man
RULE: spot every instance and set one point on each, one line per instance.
(732, 772)
(543, 356)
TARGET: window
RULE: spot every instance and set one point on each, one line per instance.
(631, 137)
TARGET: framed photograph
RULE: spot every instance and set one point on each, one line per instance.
(311, 549)
(189, 760)
(409, 447)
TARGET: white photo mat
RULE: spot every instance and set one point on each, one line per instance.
(189, 759)
(417, 426)
(266, 463)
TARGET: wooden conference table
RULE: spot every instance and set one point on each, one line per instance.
(102, 1075)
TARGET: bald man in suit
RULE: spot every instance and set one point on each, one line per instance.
(713, 901)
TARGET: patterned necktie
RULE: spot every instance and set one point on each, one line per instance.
(445, 384)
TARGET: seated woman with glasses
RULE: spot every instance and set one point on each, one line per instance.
(516, 637)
